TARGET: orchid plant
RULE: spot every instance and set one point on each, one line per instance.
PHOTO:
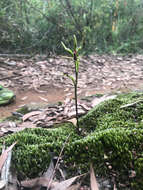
(75, 56)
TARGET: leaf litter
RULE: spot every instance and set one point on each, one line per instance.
(98, 74)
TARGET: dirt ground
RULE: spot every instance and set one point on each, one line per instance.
(41, 79)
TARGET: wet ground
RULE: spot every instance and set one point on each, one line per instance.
(31, 96)
(41, 79)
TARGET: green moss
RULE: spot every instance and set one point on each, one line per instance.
(31, 155)
(113, 145)
(23, 110)
(89, 121)
(112, 135)
(106, 114)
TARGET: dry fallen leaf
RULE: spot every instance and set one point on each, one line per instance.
(74, 187)
(4, 155)
(44, 99)
(93, 181)
(24, 98)
(28, 115)
(2, 184)
(74, 121)
(36, 182)
(49, 171)
(64, 185)
(97, 101)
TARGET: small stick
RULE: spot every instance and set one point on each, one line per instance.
(52, 176)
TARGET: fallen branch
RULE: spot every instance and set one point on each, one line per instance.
(131, 104)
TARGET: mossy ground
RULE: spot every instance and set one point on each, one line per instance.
(31, 155)
(112, 136)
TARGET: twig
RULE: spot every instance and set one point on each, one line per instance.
(52, 176)
(132, 104)
(4, 78)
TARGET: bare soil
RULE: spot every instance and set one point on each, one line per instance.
(28, 97)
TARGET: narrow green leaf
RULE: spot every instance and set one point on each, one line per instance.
(78, 49)
(77, 66)
(75, 42)
(73, 80)
(67, 49)
(70, 77)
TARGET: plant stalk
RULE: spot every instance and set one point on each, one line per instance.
(75, 94)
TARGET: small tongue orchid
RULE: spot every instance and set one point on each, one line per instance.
(75, 56)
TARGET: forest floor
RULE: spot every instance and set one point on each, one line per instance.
(41, 79)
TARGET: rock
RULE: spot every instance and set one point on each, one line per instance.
(6, 96)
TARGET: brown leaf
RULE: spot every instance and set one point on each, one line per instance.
(93, 181)
(85, 107)
(2, 184)
(73, 113)
(64, 185)
(74, 121)
(36, 182)
(24, 98)
(44, 99)
(74, 187)
(67, 100)
(49, 171)
(13, 129)
(28, 115)
(1, 134)
(4, 155)
(97, 101)
(26, 124)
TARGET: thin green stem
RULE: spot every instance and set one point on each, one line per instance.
(76, 103)
(74, 54)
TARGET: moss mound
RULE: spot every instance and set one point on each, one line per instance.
(113, 141)
(31, 155)
(114, 137)
(110, 114)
